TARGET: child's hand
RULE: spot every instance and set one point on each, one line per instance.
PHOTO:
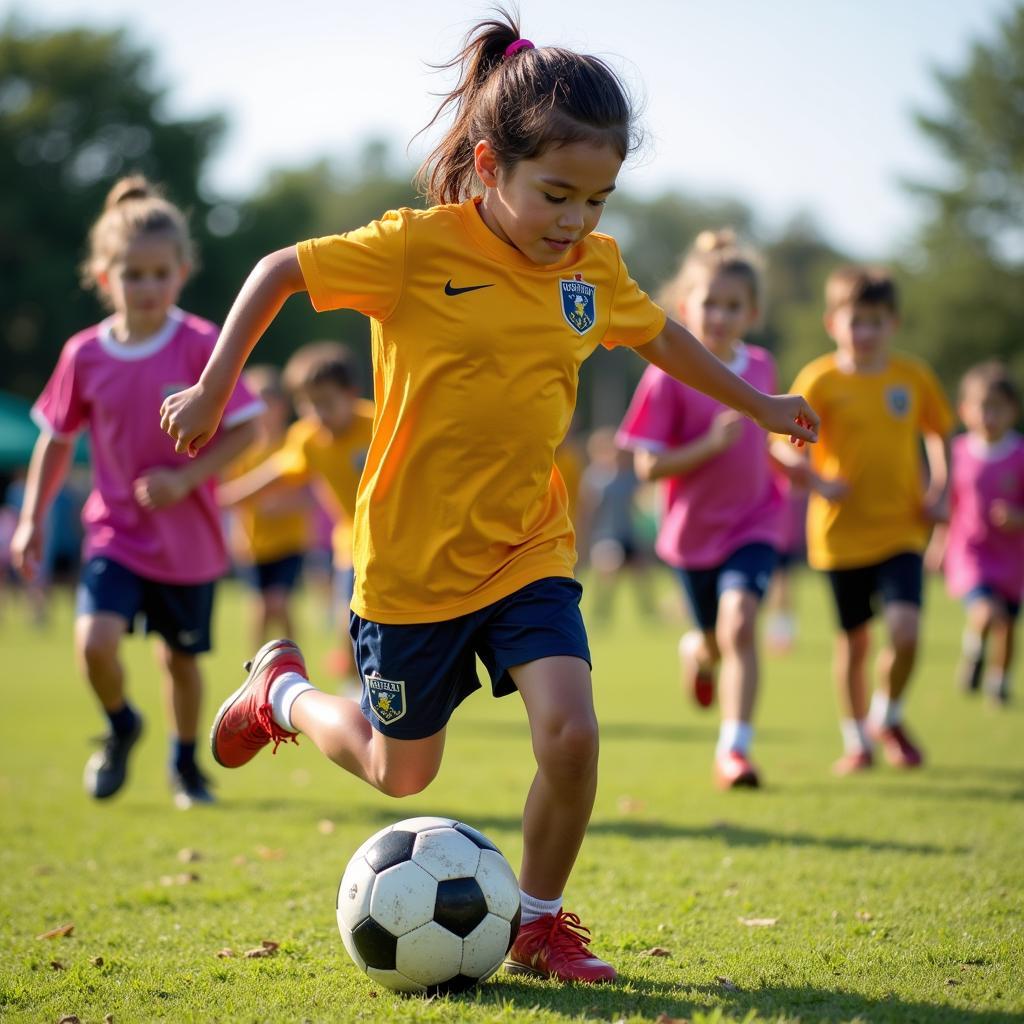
(27, 549)
(160, 487)
(789, 415)
(191, 417)
(726, 429)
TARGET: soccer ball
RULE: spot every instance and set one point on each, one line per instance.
(428, 905)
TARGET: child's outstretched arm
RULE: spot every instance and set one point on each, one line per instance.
(937, 455)
(191, 416)
(51, 458)
(679, 353)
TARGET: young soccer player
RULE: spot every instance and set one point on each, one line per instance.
(270, 535)
(869, 515)
(153, 540)
(983, 546)
(722, 517)
(326, 448)
(482, 307)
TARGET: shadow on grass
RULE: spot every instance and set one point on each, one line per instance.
(649, 999)
(922, 787)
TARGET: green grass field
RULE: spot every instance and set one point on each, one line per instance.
(893, 896)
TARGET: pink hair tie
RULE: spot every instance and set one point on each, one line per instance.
(520, 44)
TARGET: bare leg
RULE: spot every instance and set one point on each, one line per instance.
(1002, 644)
(97, 641)
(277, 613)
(559, 703)
(339, 730)
(896, 659)
(736, 636)
(849, 666)
(183, 691)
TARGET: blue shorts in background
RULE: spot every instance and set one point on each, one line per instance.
(749, 568)
(278, 573)
(1012, 608)
(180, 613)
(415, 675)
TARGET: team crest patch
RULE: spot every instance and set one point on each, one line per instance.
(387, 698)
(578, 305)
(898, 400)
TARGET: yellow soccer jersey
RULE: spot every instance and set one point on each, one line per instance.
(262, 536)
(311, 454)
(476, 355)
(871, 426)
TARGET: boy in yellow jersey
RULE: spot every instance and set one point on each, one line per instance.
(326, 448)
(270, 535)
(870, 514)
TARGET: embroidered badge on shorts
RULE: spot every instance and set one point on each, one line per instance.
(387, 698)
(578, 306)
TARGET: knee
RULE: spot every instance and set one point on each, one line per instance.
(98, 648)
(737, 622)
(275, 602)
(406, 782)
(903, 632)
(568, 747)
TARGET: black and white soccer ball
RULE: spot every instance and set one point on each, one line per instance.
(428, 905)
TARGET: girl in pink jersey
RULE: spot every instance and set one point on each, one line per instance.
(723, 509)
(153, 542)
(983, 546)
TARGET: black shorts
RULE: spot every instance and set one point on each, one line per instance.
(277, 574)
(856, 591)
(180, 613)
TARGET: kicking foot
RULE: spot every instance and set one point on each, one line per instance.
(698, 679)
(245, 722)
(555, 946)
(733, 770)
(107, 769)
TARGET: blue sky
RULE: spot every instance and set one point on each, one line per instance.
(790, 105)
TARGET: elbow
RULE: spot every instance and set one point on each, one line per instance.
(645, 467)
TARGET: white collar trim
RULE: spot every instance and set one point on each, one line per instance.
(994, 451)
(140, 349)
(740, 360)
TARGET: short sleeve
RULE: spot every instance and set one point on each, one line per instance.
(936, 415)
(60, 410)
(635, 319)
(653, 421)
(362, 270)
(291, 460)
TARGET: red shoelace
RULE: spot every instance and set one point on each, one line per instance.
(569, 936)
(265, 717)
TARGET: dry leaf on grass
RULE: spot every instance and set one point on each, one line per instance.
(60, 932)
(864, 915)
(185, 878)
(630, 805)
(96, 961)
(239, 861)
(225, 953)
(189, 856)
(57, 965)
(42, 869)
(265, 948)
(325, 826)
(725, 982)
(758, 922)
(266, 853)
(657, 951)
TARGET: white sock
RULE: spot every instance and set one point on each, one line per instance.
(885, 712)
(855, 739)
(995, 683)
(283, 691)
(972, 644)
(532, 908)
(734, 735)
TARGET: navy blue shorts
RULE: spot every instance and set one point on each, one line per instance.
(1012, 608)
(856, 591)
(180, 613)
(415, 676)
(747, 568)
(280, 573)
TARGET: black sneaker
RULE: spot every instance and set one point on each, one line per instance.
(107, 769)
(190, 787)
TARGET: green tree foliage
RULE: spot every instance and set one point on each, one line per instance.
(965, 301)
(77, 109)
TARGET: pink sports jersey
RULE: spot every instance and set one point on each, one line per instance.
(732, 499)
(979, 553)
(115, 391)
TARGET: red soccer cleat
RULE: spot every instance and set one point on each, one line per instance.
(698, 679)
(245, 723)
(733, 770)
(853, 762)
(556, 947)
(899, 751)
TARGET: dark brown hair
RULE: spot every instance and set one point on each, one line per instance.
(856, 285)
(712, 253)
(992, 376)
(320, 362)
(522, 103)
(133, 207)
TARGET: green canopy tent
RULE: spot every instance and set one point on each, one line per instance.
(18, 434)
